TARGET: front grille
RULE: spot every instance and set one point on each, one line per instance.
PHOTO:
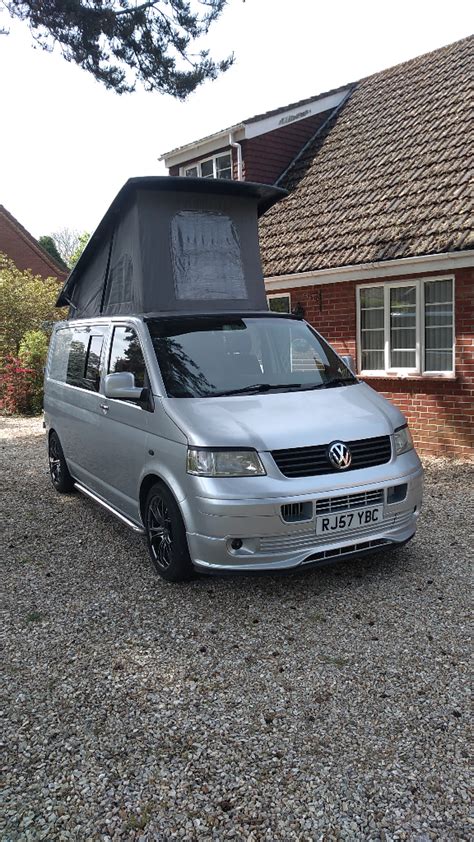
(338, 552)
(307, 540)
(294, 512)
(313, 461)
(349, 501)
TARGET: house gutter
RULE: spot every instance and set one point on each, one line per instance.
(237, 146)
(445, 261)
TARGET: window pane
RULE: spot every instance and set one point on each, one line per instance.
(438, 326)
(372, 318)
(280, 304)
(438, 361)
(191, 172)
(126, 354)
(207, 169)
(60, 354)
(403, 359)
(92, 376)
(206, 257)
(372, 329)
(437, 315)
(373, 361)
(371, 297)
(373, 340)
(403, 327)
(77, 359)
(224, 166)
(438, 291)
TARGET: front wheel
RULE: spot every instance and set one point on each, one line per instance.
(166, 535)
(58, 469)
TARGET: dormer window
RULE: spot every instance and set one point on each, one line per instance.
(219, 166)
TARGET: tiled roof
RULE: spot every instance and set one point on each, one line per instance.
(391, 176)
(57, 270)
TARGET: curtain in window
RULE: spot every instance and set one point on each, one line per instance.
(403, 327)
(372, 329)
(438, 325)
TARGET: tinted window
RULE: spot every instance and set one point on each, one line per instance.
(83, 369)
(59, 355)
(92, 374)
(126, 354)
(202, 357)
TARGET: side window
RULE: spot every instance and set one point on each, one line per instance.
(83, 368)
(59, 354)
(126, 354)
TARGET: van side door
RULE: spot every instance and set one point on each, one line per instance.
(125, 427)
(75, 397)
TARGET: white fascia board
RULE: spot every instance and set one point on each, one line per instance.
(295, 114)
(367, 271)
(201, 148)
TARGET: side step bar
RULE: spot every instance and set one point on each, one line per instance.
(109, 508)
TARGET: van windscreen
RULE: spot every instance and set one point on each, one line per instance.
(213, 356)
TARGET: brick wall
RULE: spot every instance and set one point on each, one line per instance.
(268, 155)
(23, 249)
(440, 411)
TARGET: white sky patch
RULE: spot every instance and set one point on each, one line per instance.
(68, 144)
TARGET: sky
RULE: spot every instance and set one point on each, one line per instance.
(67, 144)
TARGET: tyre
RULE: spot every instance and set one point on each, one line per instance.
(58, 469)
(166, 535)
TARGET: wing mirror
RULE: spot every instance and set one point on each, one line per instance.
(349, 363)
(121, 385)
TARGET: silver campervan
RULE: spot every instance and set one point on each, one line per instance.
(235, 438)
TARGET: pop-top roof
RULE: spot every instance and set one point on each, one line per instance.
(169, 244)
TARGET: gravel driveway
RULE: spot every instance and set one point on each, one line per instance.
(325, 705)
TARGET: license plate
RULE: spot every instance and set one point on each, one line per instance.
(344, 521)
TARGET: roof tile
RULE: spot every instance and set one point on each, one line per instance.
(390, 175)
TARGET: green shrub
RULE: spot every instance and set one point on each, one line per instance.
(32, 354)
(27, 302)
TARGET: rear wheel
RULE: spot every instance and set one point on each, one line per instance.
(58, 469)
(166, 535)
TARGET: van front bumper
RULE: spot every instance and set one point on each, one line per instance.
(271, 543)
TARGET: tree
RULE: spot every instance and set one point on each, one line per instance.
(82, 241)
(27, 302)
(47, 243)
(121, 42)
(66, 241)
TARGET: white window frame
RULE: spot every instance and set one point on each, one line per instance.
(280, 295)
(213, 158)
(418, 370)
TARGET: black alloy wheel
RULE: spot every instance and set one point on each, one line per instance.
(58, 469)
(166, 535)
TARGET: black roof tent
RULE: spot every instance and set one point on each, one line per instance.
(171, 245)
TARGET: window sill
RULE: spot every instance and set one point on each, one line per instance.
(409, 377)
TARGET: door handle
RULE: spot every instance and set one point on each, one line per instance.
(104, 407)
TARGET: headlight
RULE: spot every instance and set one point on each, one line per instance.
(403, 440)
(224, 463)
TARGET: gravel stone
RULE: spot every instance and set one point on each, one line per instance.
(329, 704)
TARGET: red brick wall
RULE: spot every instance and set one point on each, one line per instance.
(24, 253)
(268, 155)
(440, 411)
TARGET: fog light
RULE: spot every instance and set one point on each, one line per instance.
(397, 493)
(236, 543)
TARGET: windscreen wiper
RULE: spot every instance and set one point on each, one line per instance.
(330, 384)
(254, 389)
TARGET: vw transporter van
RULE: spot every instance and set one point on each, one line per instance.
(234, 438)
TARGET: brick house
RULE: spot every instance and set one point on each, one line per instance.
(21, 247)
(375, 242)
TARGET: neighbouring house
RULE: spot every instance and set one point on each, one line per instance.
(21, 247)
(375, 242)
